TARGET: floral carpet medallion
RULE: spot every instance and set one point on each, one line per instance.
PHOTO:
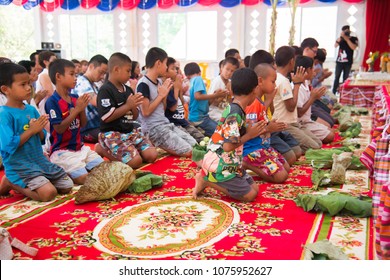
(166, 227)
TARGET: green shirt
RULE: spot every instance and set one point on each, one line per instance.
(230, 128)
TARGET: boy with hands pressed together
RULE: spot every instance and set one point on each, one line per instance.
(259, 156)
(22, 132)
(222, 165)
(67, 115)
(160, 131)
(121, 137)
(286, 99)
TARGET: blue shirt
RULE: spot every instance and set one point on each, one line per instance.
(82, 87)
(176, 117)
(198, 109)
(27, 161)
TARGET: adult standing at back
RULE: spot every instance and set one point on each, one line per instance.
(86, 84)
(347, 44)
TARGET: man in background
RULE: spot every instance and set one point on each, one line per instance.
(347, 45)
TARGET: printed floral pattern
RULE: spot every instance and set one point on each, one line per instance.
(268, 228)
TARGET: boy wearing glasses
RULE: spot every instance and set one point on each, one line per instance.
(309, 47)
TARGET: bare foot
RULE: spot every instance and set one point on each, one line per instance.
(200, 185)
(5, 186)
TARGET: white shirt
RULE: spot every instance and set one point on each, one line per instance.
(303, 97)
(285, 92)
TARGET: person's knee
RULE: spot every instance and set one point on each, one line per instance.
(64, 191)
(249, 197)
(290, 157)
(136, 162)
(150, 155)
(48, 195)
(329, 138)
(280, 177)
(80, 180)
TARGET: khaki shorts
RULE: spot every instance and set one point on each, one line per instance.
(63, 183)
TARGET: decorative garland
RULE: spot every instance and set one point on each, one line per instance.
(109, 5)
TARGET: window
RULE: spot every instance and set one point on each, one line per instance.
(322, 28)
(83, 36)
(17, 32)
(189, 36)
(309, 22)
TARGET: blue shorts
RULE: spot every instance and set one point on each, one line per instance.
(283, 141)
(208, 126)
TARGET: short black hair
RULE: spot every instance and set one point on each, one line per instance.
(244, 81)
(133, 66)
(32, 56)
(304, 61)
(45, 55)
(191, 69)
(75, 61)
(153, 55)
(58, 66)
(345, 27)
(118, 59)
(298, 50)
(29, 65)
(309, 43)
(320, 56)
(170, 61)
(231, 52)
(8, 71)
(260, 56)
(232, 60)
(5, 60)
(97, 60)
(247, 59)
(283, 55)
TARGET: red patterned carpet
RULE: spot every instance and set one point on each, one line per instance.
(167, 224)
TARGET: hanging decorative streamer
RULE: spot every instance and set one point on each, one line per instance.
(129, 4)
(147, 4)
(50, 5)
(31, 4)
(251, 2)
(165, 4)
(280, 2)
(186, 3)
(70, 4)
(208, 2)
(229, 3)
(108, 5)
(88, 4)
(327, 1)
(19, 2)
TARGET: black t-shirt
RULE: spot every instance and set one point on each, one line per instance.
(109, 98)
(176, 117)
(345, 54)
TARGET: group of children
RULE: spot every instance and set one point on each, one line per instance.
(254, 117)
